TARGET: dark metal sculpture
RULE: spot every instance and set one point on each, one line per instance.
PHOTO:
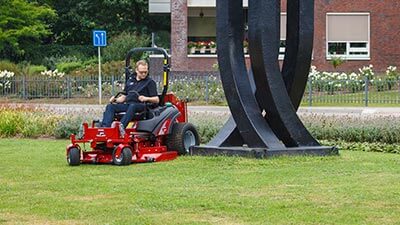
(263, 102)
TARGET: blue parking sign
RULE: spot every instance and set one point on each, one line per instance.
(99, 38)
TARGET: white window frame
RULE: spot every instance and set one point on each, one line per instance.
(282, 50)
(347, 55)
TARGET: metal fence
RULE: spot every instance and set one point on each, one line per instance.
(198, 88)
(352, 92)
(65, 87)
(206, 89)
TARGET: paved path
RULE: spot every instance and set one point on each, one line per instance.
(353, 111)
(367, 111)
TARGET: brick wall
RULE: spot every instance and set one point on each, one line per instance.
(384, 32)
(179, 33)
(384, 35)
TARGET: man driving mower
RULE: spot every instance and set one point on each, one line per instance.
(139, 89)
(159, 133)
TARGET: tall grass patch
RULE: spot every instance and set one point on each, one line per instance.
(27, 122)
(384, 129)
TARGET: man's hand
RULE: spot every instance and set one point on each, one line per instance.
(120, 99)
(154, 99)
(143, 98)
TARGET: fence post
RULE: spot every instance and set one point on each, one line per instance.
(112, 85)
(69, 87)
(366, 80)
(309, 92)
(207, 89)
(24, 87)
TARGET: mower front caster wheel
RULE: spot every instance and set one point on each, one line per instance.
(74, 157)
(125, 158)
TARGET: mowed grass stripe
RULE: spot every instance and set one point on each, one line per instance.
(37, 186)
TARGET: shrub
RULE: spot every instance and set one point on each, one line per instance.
(9, 123)
(90, 62)
(336, 61)
(372, 129)
(5, 79)
(68, 67)
(107, 69)
(51, 62)
(207, 124)
(26, 122)
(391, 76)
(384, 129)
(119, 45)
(69, 125)
(367, 72)
(364, 146)
(9, 66)
(391, 73)
(43, 54)
(38, 124)
(194, 89)
(33, 69)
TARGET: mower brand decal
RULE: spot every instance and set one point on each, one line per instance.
(100, 133)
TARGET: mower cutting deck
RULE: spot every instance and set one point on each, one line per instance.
(157, 134)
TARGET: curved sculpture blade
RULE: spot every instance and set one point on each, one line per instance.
(229, 134)
(242, 103)
(299, 45)
(271, 94)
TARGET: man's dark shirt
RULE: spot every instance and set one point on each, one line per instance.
(146, 87)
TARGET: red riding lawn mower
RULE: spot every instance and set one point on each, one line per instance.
(157, 134)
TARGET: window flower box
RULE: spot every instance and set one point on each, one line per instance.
(213, 47)
(202, 46)
(192, 47)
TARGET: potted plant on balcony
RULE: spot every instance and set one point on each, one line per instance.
(192, 47)
(245, 46)
(202, 46)
(213, 47)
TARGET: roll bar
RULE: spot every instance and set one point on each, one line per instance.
(166, 66)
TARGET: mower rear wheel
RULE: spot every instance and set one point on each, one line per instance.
(182, 137)
(125, 158)
(74, 157)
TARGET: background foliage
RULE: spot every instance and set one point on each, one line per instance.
(32, 30)
(23, 24)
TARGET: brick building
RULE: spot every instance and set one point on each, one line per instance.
(360, 32)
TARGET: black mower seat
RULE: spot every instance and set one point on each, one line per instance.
(154, 124)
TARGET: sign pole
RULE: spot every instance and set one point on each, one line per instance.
(99, 55)
(99, 40)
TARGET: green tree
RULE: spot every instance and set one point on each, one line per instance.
(22, 24)
(77, 19)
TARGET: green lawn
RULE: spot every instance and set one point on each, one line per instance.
(37, 187)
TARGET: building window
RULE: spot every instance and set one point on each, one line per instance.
(202, 31)
(282, 46)
(348, 36)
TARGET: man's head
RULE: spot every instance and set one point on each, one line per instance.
(142, 69)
